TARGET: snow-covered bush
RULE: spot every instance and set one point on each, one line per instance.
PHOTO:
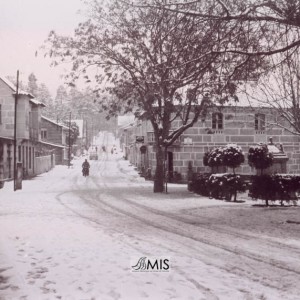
(213, 158)
(259, 157)
(282, 187)
(233, 156)
(218, 186)
(225, 186)
(199, 184)
(229, 156)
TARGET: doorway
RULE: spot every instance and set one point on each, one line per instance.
(170, 167)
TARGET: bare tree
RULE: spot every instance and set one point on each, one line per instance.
(276, 22)
(279, 89)
(162, 64)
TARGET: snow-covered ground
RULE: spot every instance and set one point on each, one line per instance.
(64, 236)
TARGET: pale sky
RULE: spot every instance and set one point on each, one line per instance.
(24, 25)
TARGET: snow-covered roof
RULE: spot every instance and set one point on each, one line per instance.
(51, 144)
(21, 92)
(53, 122)
(36, 102)
(125, 120)
(14, 89)
(6, 138)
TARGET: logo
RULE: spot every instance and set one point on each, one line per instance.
(146, 264)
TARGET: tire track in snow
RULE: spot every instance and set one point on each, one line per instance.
(170, 228)
(203, 289)
(178, 230)
(112, 208)
(102, 169)
(213, 228)
(187, 221)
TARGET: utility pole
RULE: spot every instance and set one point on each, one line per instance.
(69, 164)
(15, 134)
(86, 133)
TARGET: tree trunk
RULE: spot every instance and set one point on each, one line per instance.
(159, 173)
(235, 196)
(235, 191)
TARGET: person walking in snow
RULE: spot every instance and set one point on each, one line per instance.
(85, 168)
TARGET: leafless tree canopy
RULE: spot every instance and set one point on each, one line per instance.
(164, 60)
(276, 22)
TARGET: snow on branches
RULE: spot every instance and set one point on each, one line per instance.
(259, 157)
(230, 156)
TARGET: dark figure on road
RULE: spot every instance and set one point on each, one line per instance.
(85, 168)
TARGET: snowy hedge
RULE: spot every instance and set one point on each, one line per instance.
(199, 184)
(225, 186)
(218, 186)
(277, 187)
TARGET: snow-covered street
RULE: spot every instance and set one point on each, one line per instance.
(64, 236)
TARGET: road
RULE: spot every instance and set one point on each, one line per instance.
(118, 219)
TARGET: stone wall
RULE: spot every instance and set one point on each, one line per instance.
(238, 128)
(44, 164)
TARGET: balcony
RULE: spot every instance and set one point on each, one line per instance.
(260, 132)
(218, 131)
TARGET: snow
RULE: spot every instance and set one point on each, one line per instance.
(64, 236)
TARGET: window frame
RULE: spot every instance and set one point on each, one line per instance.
(260, 122)
(217, 121)
(44, 133)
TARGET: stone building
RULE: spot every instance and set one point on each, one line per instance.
(54, 138)
(244, 126)
(27, 132)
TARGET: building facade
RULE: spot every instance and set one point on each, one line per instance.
(54, 139)
(27, 131)
(244, 126)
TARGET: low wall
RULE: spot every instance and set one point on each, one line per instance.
(44, 164)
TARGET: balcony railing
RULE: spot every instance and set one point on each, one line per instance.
(218, 131)
(260, 132)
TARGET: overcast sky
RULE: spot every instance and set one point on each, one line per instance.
(24, 25)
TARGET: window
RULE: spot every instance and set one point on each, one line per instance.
(150, 137)
(23, 155)
(19, 154)
(217, 121)
(30, 157)
(43, 134)
(260, 121)
(27, 120)
(30, 119)
(26, 149)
